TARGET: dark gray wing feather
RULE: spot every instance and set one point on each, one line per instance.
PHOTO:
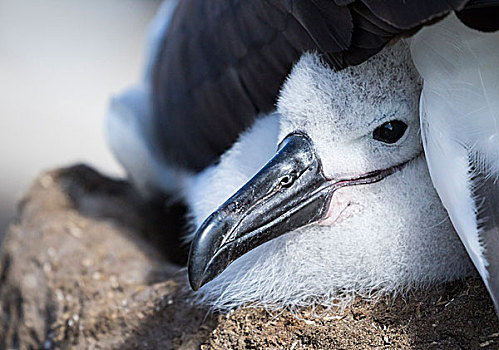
(482, 15)
(404, 14)
(223, 62)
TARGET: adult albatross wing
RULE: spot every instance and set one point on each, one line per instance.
(460, 129)
(221, 63)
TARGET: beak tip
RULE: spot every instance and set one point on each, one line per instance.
(195, 282)
(194, 287)
(197, 275)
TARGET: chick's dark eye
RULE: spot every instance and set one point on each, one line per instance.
(390, 132)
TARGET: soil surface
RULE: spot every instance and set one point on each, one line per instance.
(88, 265)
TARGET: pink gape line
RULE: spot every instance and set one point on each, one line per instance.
(334, 211)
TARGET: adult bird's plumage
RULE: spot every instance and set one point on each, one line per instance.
(460, 130)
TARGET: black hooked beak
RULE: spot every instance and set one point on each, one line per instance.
(284, 195)
(289, 192)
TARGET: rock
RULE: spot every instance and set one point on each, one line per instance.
(88, 265)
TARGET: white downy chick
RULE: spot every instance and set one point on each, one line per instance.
(380, 237)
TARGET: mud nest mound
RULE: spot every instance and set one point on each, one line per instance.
(88, 265)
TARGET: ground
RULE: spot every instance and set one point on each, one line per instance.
(88, 265)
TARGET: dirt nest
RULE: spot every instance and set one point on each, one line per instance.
(88, 265)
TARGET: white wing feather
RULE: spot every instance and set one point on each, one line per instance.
(460, 128)
(129, 124)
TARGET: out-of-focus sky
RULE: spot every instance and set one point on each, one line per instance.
(60, 61)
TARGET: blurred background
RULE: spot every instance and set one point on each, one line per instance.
(60, 61)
